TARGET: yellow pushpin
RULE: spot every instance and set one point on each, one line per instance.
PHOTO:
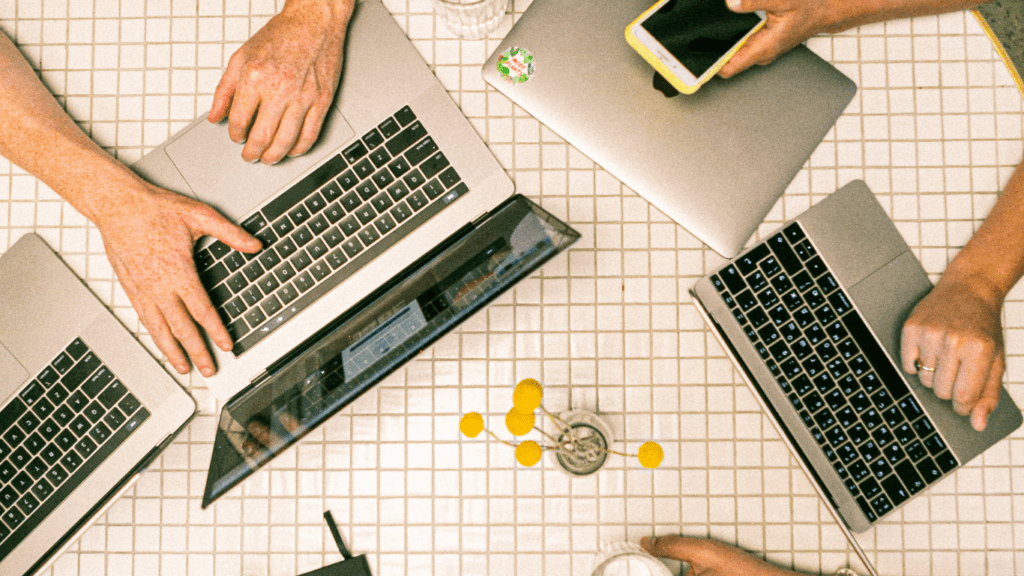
(651, 455)
(528, 453)
(527, 395)
(472, 424)
(519, 423)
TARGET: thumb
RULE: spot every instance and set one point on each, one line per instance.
(691, 550)
(753, 5)
(989, 395)
(208, 221)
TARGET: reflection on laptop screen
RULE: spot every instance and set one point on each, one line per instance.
(379, 335)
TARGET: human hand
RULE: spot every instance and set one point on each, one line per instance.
(789, 22)
(956, 331)
(149, 235)
(710, 557)
(279, 86)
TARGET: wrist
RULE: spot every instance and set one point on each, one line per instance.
(331, 14)
(963, 276)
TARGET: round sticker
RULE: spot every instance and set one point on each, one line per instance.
(516, 65)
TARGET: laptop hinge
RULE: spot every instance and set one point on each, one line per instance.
(480, 219)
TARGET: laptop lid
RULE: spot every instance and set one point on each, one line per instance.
(715, 161)
(380, 334)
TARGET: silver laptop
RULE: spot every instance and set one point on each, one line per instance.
(83, 407)
(397, 169)
(392, 230)
(812, 318)
(715, 161)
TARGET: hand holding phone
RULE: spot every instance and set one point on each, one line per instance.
(688, 41)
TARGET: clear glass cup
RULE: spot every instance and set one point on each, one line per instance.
(471, 19)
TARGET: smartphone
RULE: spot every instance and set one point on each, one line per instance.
(688, 41)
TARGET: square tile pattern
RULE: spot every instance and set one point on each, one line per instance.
(935, 130)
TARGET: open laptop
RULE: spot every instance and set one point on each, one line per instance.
(715, 161)
(396, 179)
(812, 318)
(83, 407)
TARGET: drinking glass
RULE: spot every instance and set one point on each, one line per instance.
(471, 19)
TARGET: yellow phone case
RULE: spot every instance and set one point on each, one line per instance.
(664, 70)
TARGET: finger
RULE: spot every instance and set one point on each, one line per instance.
(207, 221)
(184, 330)
(761, 48)
(910, 345)
(287, 135)
(163, 337)
(311, 128)
(199, 306)
(225, 90)
(244, 104)
(252, 449)
(263, 130)
(928, 357)
(290, 422)
(946, 368)
(989, 395)
(970, 381)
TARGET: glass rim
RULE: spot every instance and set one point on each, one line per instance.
(456, 4)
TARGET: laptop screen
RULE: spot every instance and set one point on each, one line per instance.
(378, 335)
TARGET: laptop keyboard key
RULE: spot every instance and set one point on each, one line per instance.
(348, 180)
(373, 138)
(354, 152)
(363, 169)
(405, 138)
(389, 128)
(304, 282)
(336, 258)
(405, 116)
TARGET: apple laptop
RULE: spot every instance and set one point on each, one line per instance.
(83, 407)
(715, 161)
(812, 319)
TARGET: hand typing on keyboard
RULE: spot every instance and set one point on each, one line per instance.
(148, 232)
(955, 333)
(279, 85)
(148, 236)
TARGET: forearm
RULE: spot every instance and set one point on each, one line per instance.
(848, 14)
(37, 135)
(993, 260)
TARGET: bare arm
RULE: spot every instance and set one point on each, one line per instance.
(148, 232)
(956, 329)
(279, 85)
(790, 22)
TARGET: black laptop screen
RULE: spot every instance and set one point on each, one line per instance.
(389, 327)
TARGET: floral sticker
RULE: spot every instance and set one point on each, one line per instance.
(516, 65)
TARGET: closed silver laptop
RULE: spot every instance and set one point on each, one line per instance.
(397, 170)
(715, 161)
(83, 407)
(812, 318)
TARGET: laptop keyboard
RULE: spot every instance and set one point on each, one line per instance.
(833, 370)
(54, 433)
(323, 229)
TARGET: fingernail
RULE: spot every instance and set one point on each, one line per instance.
(206, 371)
(734, 4)
(181, 368)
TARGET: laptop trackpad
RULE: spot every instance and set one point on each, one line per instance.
(12, 373)
(213, 167)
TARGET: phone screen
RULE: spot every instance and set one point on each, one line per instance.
(698, 32)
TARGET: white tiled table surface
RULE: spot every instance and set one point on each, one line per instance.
(935, 130)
